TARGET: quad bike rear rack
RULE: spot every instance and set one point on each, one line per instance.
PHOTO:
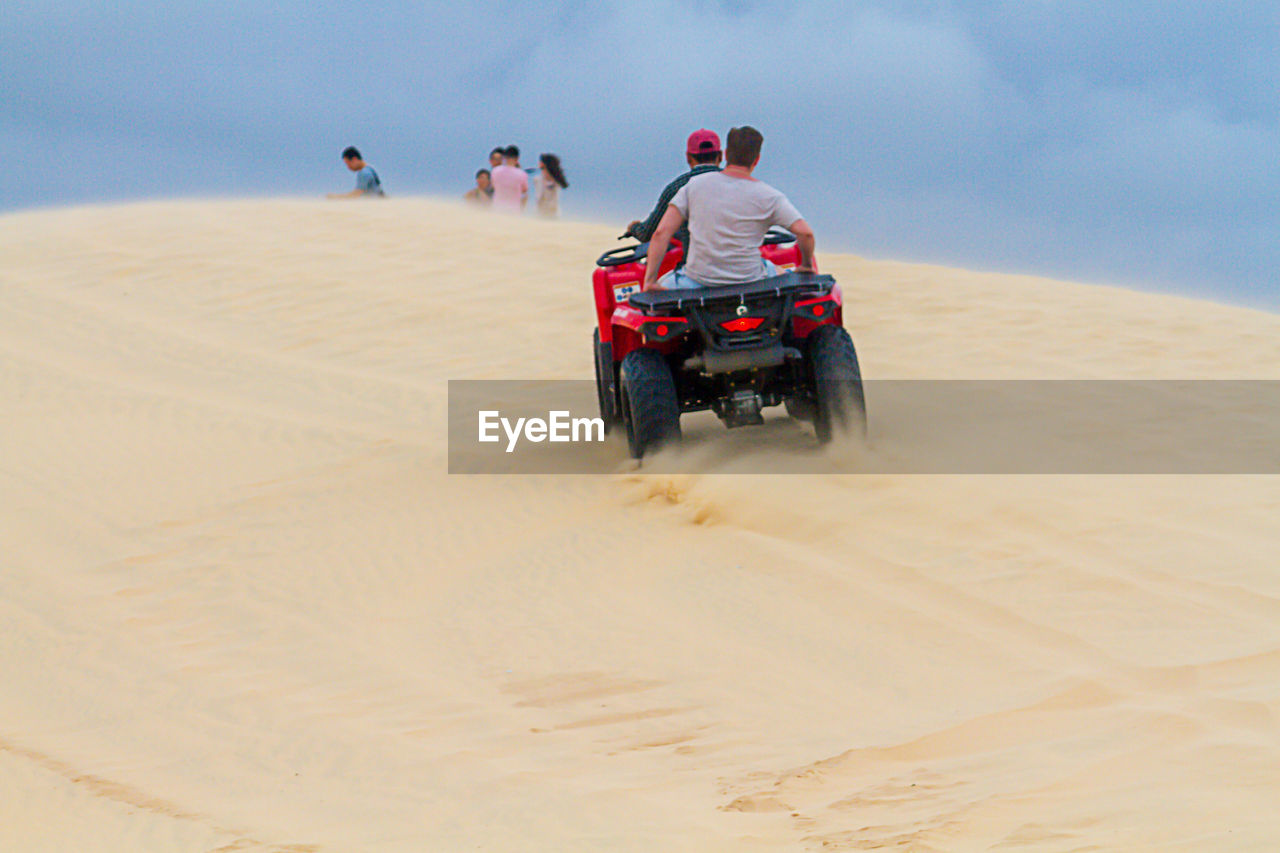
(658, 302)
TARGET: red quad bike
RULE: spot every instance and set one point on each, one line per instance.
(733, 349)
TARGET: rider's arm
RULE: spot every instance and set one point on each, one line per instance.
(805, 242)
(644, 230)
(671, 221)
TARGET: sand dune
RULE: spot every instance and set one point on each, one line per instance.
(245, 608)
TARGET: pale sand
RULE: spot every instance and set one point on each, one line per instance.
(243, 607)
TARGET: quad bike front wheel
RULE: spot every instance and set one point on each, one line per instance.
(840, 410)
(606, 390)
(650, 407)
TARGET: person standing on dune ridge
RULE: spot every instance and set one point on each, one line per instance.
(550, 181)
(510, 183)
(482, 192)
(368, 184)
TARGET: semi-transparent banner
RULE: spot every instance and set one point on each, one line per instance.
(914, 427)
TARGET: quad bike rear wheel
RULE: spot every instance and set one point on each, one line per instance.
(841, 410)
(650, 407)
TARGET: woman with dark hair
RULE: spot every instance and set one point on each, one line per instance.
(550, 182)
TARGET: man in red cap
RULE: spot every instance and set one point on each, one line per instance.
(702, 153)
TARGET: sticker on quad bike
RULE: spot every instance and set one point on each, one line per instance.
(622, 292)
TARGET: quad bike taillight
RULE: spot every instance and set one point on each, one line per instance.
(822, 308)
(741, 324)
(664, 328)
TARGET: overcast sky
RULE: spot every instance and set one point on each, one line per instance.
(1119, 142)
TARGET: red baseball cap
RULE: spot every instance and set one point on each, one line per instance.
(704, 142)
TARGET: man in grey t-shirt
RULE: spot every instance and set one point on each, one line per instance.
(729, 213)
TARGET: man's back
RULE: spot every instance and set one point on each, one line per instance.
(728, 217)
(368, 182)
(509, 186)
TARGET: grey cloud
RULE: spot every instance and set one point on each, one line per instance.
(1127, 142)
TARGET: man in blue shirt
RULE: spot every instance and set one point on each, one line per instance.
(367, 181)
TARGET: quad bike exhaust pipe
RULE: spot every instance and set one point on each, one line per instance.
(712, 362)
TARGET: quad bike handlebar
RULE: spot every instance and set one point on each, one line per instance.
(623, 255)
(634, 254)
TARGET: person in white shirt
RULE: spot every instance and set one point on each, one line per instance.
(550, 181)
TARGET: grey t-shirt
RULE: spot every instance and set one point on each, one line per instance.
(728, 218)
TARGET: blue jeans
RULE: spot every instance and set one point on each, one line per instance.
(677, 280)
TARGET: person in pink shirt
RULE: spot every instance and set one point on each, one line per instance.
(510, 183)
